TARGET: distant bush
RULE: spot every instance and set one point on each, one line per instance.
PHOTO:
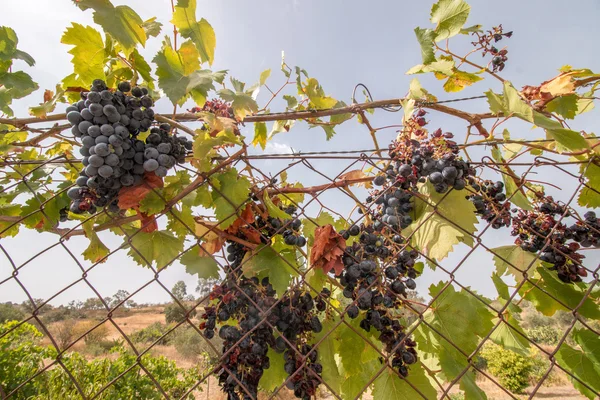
(544, 335)
(151, 334)
(10, 312)
(189, 343)
(64, 332)
(175, 313)
(512, 370)
(95, 336)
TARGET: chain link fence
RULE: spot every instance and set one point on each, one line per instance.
(332, 191)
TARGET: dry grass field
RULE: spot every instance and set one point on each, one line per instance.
(135, 320)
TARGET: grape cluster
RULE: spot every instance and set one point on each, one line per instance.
(107, 123)
(490, 202)
(215, 106)
(375, 274)
(435, 160)
(486, 42)
(540, 231)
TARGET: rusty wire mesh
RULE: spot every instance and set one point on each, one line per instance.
(320, 166)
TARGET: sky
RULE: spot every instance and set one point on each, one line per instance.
(341, 43)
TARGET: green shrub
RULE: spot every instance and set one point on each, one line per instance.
(21, 357)
(10, 312)
(175, 313)
(511, 369)
(151, 334)
(189, 343)
(544, 335)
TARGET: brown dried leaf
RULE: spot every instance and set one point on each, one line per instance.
(356, 174)
(130, 197)
(328, 249)
(558, 86)
(48, 95)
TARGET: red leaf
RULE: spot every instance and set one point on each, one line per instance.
(130, 197)
(149, 223)
(328, 249)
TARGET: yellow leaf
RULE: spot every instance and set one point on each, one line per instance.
(356, 174)
(562, 84)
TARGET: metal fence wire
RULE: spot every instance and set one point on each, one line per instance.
(332, 187)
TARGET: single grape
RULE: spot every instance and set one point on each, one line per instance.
(137, 92)
(126, 180)
(150, 165)
(75, 131)
(124, 86)
(101, 139)
(161, 171)
(83, 126)
(105, 171)
(112, 160)
(88, 141)
(106, 95)
(96, 109)
(379, 180)
(147, 101)
(164, 148)
(84, 151)
(96, 161)
(115, 140)
(109, 109)
(436, 177)
(74, 193)
(107, 130)
(102, 149)
(74, 117)
(94, 131)
(151, 153)
(87, 115)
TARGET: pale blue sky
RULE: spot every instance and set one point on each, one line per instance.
(341, 43)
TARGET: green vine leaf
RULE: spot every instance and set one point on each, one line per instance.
(275, 375)
(121, 22)
(8, 48)
(316, 94)
(159, 248)
(460, 80)
(511, 337)
(272, 262)
(260, 135)
(242, 103)
(233, 191)
(273, 210)
(450, 16)
(152, 27)
(329, 347)
(516, 259)
(96, 251)
(88, 53)
(589, 342)
(445, 67)
(565, 106)
(439, 231)
(425, 37)
(200, 32)
(582, 367)
(389, 386)
(197, 262)
(590, 196)
(509, 103)
(550, 287)
(7, 208)
(152, 203)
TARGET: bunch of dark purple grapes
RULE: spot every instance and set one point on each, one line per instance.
(539, 231)
(490, 202)
(107, 123)
(241, 306)
(376, 272)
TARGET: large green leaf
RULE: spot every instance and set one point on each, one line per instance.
(159, 248)
(88, 53)
(327, 350)
(450, 16)
(8, 48)
(275, 375)
(197, 262)
(274, 263)
(582, 367)
(389, 386)
(441, 228)
(121, 22)
(590, 196)
(589, 342)
(173, 69)
(509, 103)
(516, 259)
(511, 337)
(200, 32)
(426, 38)
(566, 106)
(230, 194)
